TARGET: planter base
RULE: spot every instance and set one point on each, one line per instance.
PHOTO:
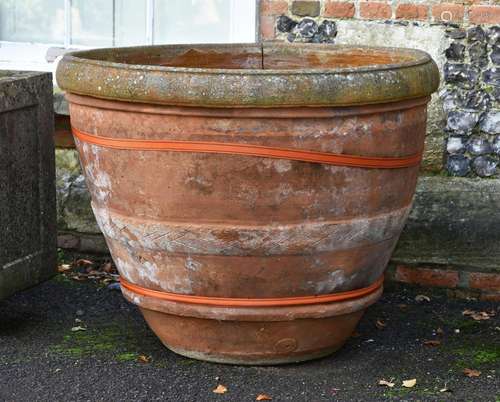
(250, 335)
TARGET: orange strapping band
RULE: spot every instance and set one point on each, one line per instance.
(244, 302)
(250, 150)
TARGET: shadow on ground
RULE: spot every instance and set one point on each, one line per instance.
(41, 358)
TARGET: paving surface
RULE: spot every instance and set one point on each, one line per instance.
(42, 359)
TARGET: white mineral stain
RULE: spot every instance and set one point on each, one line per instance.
(191, 264)
(335, 280)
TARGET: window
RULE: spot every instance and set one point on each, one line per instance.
(31, 28)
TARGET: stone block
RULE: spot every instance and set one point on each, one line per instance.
(28, 253)
(306, 8)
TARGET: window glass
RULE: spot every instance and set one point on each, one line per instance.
(92, 22)
(108, 22)
(40, 21)
(99, 23)
(130, 22)
(204, 21)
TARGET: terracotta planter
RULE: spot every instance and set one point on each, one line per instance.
(250, 195)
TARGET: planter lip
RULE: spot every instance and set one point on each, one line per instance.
(98, 73)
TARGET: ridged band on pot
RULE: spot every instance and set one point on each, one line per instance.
(273, 75)
(250, 335)
(194, 204)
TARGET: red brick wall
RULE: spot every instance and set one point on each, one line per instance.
(467, 12)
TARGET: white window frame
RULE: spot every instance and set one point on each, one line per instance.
(41, 56)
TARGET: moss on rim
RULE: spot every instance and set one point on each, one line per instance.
(272, 75)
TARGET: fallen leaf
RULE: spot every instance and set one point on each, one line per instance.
(445, 389)
(409, 383)
(78, 321)
(144, 358)
(421, 298)
(221, 389)
(107, 267)
(380, 324)
(386, 383)
(471, 372)
(263, 397)
(78, 328)
(479, 315)
(63, 267)
(83, 262)
(432, 342)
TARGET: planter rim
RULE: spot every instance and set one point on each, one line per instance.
(97, 73)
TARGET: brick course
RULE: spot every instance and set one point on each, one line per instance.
(427, 276)
(339, 9)
(484, 14)
(448, 12)
(375, 11)
(412, 12)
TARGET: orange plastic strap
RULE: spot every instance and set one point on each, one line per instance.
(250, 150)
(244, 302)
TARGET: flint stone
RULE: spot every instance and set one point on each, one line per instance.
(451, 99)
(307, 28)
(455, 145)
(478, 100)
(490, 122)
(326, 32)
(495, 145)
(476, 34)
(285, 24)
(495, 55)
(458, 165)
(455, 52)
(478, 54)
(478, 146)
(463, 74)
(492, 76)
(484, 166)
(457, 33)
(494, 35)
(462, 121)
(495, 94)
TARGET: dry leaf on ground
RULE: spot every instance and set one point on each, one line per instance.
(263, 397)
(432, 342)
(421, 298)
(409, 383)
(144, 359)
(83, 262)
(63, 267)
(471, 372)
(380, 324)
(221, 389)
(386, 383)
(78, 328)
(478, 315)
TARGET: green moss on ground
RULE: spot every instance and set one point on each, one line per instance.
(113, 341)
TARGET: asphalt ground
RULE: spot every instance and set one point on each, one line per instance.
(117, 358)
